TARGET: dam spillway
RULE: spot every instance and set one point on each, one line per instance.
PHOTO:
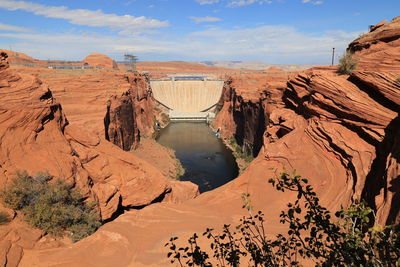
(187, 97)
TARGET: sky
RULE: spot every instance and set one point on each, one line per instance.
(269, 31)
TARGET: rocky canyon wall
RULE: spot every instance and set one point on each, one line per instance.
(244, 108)
(98, 99)
(131, 114)
(342, 131)
(36, 136)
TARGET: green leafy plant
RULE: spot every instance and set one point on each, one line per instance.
(55, 208)
(347, 63)
(348, 240)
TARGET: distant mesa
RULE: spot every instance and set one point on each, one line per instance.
(18, 57)
(274, 69)
(92, 61)
(100, 60)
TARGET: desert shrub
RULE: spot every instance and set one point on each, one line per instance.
(398, 81)
(23, 192)
(85, 225)
(4, 218)
(165, 118)
(350, 240)
(180, 171)
(55, 208)
(238, 151)
(347, 63)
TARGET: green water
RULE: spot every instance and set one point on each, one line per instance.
(207, 162)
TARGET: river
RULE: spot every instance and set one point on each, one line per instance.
(206, 160)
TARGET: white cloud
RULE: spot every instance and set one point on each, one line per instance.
(76, 46)
(275, 44)
(271, 44)
(11, 28)
(314, 2)
(238, 3)
(207, 2)
(204, 19)
(234, 3)
(86, 17)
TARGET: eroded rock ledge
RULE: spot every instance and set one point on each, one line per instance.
(131, 114)
(36, 136)
(341, 131)
(244, 108)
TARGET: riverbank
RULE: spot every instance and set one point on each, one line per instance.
(161, 157)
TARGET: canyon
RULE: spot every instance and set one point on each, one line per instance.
(342, 132)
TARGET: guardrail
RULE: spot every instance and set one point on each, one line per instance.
(184, 116)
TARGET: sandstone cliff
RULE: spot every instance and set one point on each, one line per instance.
(18, 57)
(244, 107)
(35, 135)
(131, 115)
(83, 94)
(341, 131)
(100, 101)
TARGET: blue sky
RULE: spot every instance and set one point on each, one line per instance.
(271, 31)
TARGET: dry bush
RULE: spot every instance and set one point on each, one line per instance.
(347, 63)
(55, 208)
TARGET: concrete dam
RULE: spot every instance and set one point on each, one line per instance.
(188, 98)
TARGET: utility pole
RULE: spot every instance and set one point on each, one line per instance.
(333, 56)
(131, 61)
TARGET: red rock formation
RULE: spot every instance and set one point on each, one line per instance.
(274, 70)
(36, 136)
(120, 123)
(18, 57)
(379, 49)
(342, 124)
(131, 115)
(100, 60)
(244, 108)
(83, 94)
(378, 73)
(341, 132)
